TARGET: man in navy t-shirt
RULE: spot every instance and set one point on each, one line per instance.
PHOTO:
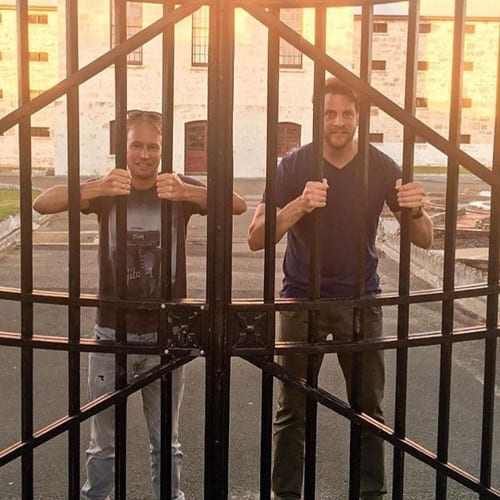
(337, 200)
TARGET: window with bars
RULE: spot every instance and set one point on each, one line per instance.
(376, 137)
(470, 28)
(421, 102)
(290, 57)
(466, 102)
(379, 65)
(195, 147)
(379, 27)
(288, 137)
(38, 19)
(40, 132)
(39, 56)
(423, 65)
(134, 25)
(199, 37)
(425, 27)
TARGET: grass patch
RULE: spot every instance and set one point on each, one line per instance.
(10, 201)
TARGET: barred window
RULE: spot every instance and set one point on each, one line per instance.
(423, 65)
(38, 19)
(376, 137)
(290, 57)
(425, 27)
(379, 27)
(379, 65)
(199, 37)
(195, 147)
(288, 137)
(421, 102)
(134, 25)
(39, 56)
(466, 102)
(40, 132)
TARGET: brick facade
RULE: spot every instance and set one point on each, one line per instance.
(144, 83)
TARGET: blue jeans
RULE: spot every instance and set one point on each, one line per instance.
(289, 423)
(101, 451)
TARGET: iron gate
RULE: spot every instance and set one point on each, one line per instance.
(221, 328)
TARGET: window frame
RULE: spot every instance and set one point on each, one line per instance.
(40, 132)
(196, 159)
(294, 18)
(376, 137)
(134, 58)
(285, 132)
(200, 37)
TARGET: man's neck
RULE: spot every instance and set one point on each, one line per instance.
(339, 158)
(142, 184)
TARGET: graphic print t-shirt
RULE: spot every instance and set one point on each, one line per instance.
(143, 250)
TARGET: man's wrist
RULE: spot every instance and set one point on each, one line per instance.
(417, 213)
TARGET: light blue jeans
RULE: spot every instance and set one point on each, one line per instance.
(101, 451)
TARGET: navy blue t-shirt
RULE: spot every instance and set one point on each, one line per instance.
(338, 222)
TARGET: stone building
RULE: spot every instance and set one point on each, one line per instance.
(97, 101)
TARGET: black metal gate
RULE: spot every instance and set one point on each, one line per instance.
(221, 328)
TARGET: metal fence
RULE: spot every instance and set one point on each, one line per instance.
(220, 328)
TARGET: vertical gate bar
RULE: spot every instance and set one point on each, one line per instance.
(270, 254)
(168, 46)
(317, 161)
(220, 187)
(405, 252)
(120, 18)
(490, 345)
(360, 279)
(73, 133)
(25, 163)
(452, 181)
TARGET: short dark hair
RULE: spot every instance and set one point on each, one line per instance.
(335, 86)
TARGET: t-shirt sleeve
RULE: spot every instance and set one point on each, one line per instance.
(95, 204)
(192, 208)
(393, 173)
(282, 189)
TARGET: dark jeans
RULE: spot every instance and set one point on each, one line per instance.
(289, 424)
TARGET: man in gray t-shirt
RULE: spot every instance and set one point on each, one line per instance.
(144, 188)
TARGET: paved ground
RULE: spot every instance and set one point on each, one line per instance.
(50, 272)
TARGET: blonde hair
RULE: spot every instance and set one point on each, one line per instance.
(152, 117)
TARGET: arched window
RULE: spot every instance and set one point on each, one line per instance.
(288, 137)
(195, 147)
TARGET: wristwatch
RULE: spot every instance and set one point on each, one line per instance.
(419, 213)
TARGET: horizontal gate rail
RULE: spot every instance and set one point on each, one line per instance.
(88, 410)
(405, 444)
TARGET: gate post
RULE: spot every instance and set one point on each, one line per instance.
(219, 241)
